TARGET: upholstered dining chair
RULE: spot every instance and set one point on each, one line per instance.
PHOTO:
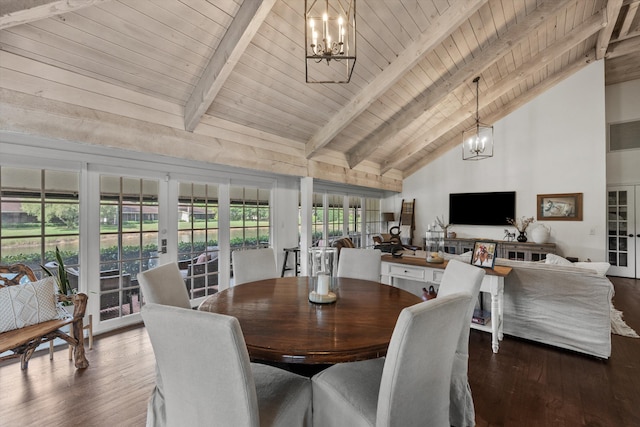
(461, 277)
(230, 392)
(360, 264)
(162, 285)
(253, 264)
(410, 386)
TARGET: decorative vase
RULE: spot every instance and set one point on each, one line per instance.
(540, 234)
(522, 237)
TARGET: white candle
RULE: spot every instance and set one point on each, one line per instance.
(323, 284)
(325, 26)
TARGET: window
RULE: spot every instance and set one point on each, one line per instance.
(39, 211)
(249, 214)
(317, 220)
(335, 217)
(355, 219)
(372, 219)
(341, 219)
(128, 241)
(198, 238)
(250, 218)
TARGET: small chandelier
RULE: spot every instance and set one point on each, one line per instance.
(477, 141)
(330, 40)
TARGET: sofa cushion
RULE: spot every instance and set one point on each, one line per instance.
(27, 304)
(599, 267)
(557, 260)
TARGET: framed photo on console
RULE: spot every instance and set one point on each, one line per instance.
(484, 254)
(560, 207)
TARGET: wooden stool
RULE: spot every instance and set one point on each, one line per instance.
(296, 267)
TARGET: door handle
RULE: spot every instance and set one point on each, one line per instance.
(631, 235)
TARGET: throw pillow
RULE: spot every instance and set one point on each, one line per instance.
(202, 258)
(557, 260)
(599, 267)
(27, 304)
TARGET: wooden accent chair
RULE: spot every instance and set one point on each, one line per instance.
(16, 274)
(22, 342)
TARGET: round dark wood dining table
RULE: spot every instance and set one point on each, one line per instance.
(280, 324)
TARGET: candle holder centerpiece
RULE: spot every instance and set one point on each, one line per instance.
(323, 266)
(435, 244)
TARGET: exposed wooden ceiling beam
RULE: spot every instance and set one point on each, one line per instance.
(238, 36)
(507, 109)
(437, 32)
(419, 106)
(628, 19)
(513, 79)
(16, 12)
(613, 10)
(624, 47)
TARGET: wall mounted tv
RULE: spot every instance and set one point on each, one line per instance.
(482, 208)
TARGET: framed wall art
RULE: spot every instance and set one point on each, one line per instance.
(560, 207)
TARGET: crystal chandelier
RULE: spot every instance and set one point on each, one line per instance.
(477, 141)
(330, 40)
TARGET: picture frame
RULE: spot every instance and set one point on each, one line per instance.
(484, 254)
(559, 207)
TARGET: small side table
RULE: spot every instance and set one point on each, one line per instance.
(296, 266)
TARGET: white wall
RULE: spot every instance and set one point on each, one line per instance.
(553, 144)
(623, 105)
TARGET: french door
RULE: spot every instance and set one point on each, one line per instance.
(623, 230)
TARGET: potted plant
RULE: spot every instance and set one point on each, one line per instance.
(62, 279)
(521, 225)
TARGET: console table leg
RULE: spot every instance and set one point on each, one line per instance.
(495, 314)
(501, 310)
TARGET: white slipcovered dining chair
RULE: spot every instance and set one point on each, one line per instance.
(253, 264)
(461, 277)
(162, 285)
(362, 264)
(410, 386)
(209, 380)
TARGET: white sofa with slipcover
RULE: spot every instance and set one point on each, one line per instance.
(567, 306)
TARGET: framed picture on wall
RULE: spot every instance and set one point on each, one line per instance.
(484, 254)
(560, 207)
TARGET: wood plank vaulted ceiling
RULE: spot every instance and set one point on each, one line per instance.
(224, 80)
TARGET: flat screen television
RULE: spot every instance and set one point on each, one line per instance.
(482, 208)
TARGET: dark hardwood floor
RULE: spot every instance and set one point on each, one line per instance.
(525, 384)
